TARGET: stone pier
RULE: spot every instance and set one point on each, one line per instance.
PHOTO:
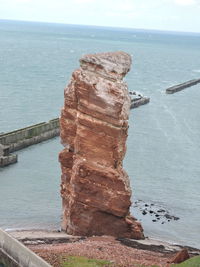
(5, 157)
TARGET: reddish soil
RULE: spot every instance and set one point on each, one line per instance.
(106, 248)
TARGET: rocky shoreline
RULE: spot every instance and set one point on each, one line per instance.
(120, 252)
(38, 237)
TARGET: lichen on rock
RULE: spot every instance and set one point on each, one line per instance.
(95, 188)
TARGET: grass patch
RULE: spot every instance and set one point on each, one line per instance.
(193, 262)
(78, 261)
(73, 261)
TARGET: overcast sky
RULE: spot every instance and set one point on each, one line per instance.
(177, 15)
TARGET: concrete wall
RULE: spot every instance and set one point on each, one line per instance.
(15, 253)
(30, 135)
(5, 161)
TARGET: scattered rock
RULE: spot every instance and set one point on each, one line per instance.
(161, 210)
(154, 210)
(167, 216)
(175, 218)
(180, 256)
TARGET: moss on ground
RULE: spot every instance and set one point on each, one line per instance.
(73, 261)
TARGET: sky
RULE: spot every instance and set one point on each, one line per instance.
(175, 15)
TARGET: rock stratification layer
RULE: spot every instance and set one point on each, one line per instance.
(94, 122)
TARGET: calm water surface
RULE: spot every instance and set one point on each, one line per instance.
(163, 154)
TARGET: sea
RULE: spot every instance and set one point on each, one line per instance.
(163, 146)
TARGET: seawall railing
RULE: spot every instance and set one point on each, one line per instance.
(15, 254)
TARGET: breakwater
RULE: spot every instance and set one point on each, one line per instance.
(21, 138)
(5, 157)
(34, 134)
(179, 87)
(31, 135)
(138, 102)
(137, 99)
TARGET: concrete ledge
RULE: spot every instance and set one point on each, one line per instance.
(18, 253)
(139, 102)
(39, 237)
(5, 157)
(179, 87)
(19, 139)
(34, 134)
(5, 161)
(137, 99)
(34, 140)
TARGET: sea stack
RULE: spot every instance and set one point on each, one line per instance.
(95, 188)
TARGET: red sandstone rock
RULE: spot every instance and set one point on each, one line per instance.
(181, 256)
(94, 122)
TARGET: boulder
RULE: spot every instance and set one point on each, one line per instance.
(181, 256)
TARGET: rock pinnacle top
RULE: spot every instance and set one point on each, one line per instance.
(113, 65)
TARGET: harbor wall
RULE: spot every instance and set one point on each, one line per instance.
(138, 102)
(180, 87)
(34, 134)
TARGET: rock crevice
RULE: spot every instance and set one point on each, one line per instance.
(95, 188)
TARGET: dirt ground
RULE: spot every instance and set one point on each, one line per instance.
(106, 248)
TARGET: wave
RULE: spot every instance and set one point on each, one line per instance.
(196, 71)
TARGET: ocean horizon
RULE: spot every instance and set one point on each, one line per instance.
(103, 27)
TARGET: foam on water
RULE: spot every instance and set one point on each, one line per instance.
(196, 71)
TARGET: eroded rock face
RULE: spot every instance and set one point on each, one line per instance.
(94, 122)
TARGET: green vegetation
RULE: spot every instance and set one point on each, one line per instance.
(2, 263)
(72, 261)
(193, 262)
